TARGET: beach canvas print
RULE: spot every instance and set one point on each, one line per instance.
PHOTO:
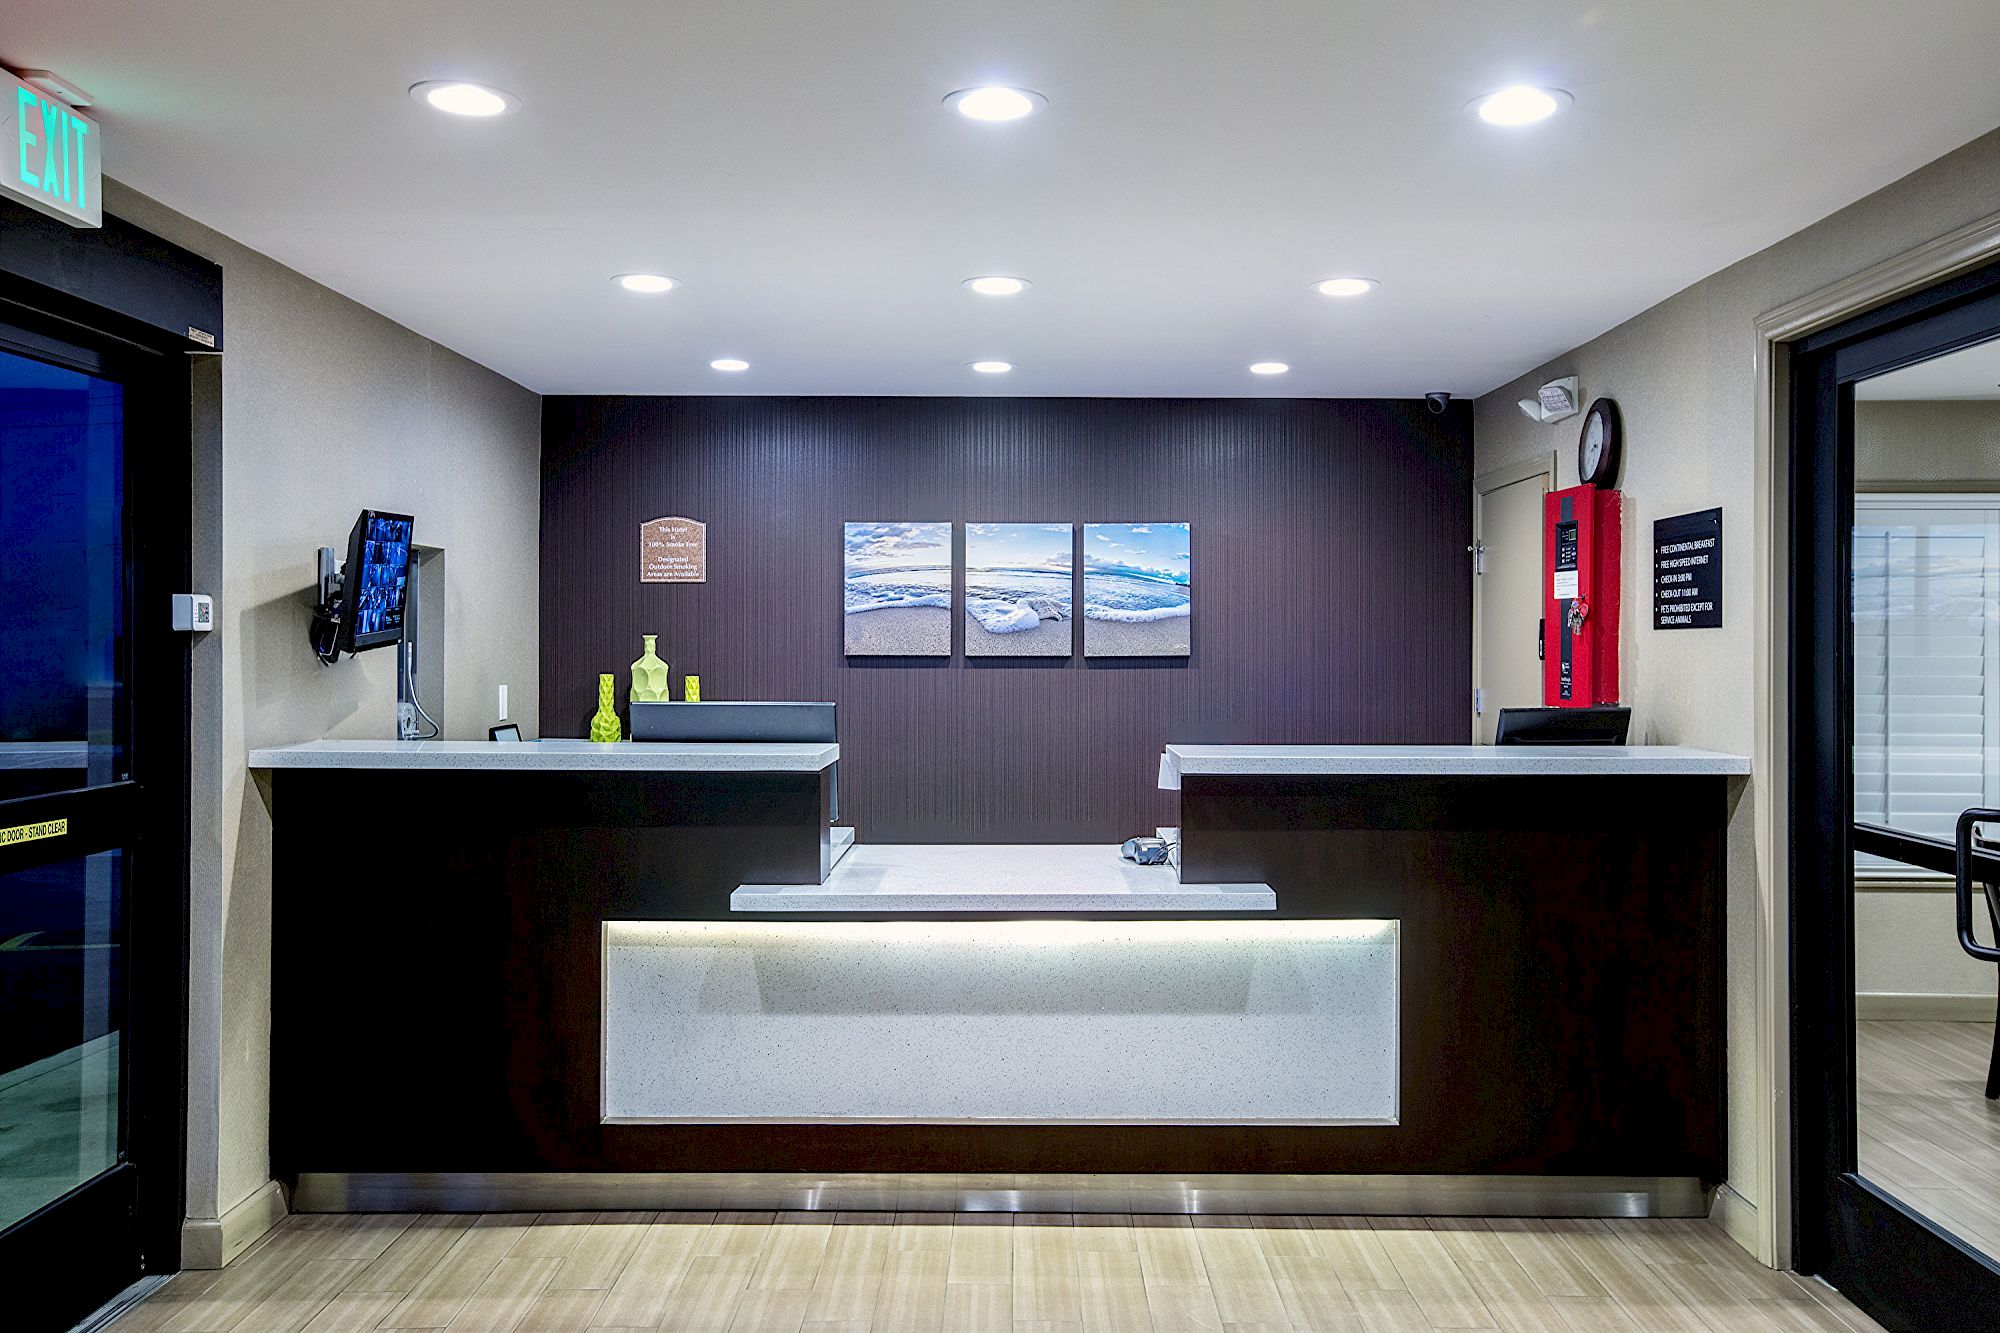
(1138, 590)
(1017, 590)
(897, 590)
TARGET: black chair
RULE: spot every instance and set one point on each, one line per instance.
(1969, 840)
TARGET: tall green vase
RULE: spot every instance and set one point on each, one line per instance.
(605, 726)
(650, 680)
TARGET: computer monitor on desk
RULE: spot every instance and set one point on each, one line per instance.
(1562, 726)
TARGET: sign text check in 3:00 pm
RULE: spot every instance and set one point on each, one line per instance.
(50, 155)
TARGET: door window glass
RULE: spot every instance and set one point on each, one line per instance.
(62, 578)
(62, 995)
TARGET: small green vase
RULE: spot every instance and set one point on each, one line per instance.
(605, 726)
(650, 681)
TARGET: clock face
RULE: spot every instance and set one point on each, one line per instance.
(1597, 445)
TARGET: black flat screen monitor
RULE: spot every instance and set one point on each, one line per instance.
(375, 585)
(1562, 726)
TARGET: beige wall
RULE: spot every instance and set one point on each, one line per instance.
(1683, 373)
(1927, 446)
(1906, 945)
(324, 407)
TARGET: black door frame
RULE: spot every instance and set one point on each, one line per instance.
(1902, 1268)
(130, 1220)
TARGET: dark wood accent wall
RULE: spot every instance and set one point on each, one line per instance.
(1331, 584)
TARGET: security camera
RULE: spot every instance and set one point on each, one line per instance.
(1438, 402)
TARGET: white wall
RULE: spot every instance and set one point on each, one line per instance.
(1683, 375)
(324, 407)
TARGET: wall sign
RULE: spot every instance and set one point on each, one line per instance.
(673, 550)
(50, 155)
(1687, 571)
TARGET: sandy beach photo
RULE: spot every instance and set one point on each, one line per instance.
(1138, 590)
(913, 631)
(896, 592)
(1018, 592)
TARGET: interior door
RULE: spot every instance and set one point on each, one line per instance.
(1895, 706)
(1507, 592)
(93, 716)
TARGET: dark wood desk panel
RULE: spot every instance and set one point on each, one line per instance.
(1561, 973)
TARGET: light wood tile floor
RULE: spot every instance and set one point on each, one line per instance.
(980, 1272)
(1926, 1132)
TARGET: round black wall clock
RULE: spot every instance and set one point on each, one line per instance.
(1598, 445)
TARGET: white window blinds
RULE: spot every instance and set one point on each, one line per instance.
(1926, 661)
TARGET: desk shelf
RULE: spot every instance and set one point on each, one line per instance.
(999, 878)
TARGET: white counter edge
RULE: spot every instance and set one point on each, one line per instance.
(1451, 761)
(550, 756)
(1169, 897)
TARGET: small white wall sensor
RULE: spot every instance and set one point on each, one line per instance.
(194, 612)
(503, 703)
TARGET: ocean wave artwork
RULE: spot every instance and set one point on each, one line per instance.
(1018, 590)
(1138, 590)
(896, 589)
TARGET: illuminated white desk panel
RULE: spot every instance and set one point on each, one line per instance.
(1036, 1022)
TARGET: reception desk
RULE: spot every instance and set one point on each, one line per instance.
(1383, 979)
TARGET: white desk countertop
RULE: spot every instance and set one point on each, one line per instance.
(552, 756)
(1451, 760)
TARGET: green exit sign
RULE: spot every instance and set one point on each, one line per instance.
(50, 155)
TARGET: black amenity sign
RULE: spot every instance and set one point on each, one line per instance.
(1687, 571)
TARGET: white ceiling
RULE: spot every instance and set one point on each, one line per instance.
(1971, 372)
(1197, 166)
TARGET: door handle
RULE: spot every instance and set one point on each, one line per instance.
(1966, 823)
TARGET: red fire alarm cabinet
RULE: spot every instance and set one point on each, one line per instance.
(1582, 534)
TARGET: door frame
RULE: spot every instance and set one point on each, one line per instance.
(1508, 474)
(1768, 1231)
(152, 1184)
(1901, 1266)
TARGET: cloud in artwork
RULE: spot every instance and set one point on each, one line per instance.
(898, 545)
(1145, 550)
(1018, 546)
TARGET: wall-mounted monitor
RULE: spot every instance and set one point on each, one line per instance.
(375, 585)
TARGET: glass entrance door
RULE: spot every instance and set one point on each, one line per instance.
(1895, 642)
(92, 827)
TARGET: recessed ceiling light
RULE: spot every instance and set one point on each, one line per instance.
(1268, 367)
(1345, 286)
(992, 367)
(465, 99)
(1521, 104)
(996, 103)
(995, 285)
(731, 363)
(645, 282)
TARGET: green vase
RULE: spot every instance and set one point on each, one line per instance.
(650, 682)
(605, 726)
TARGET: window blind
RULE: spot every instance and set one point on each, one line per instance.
(1926, 662)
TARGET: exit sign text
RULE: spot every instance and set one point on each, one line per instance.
(50, 155)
